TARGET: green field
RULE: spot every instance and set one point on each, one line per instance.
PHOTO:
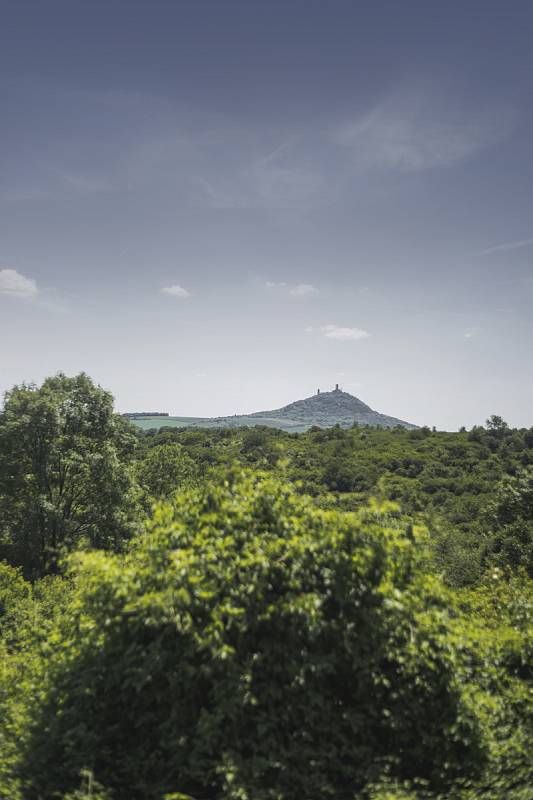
(155, 423)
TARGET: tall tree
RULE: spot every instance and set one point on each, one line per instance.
(65, 475)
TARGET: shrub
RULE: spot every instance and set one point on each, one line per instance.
(252, 646)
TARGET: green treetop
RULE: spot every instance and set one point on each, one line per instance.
(64, 475)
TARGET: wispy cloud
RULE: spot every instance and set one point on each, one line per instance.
(215, 197)
(85, 184)
(303, 289)
(295, 290)
(285, 179)
(176, 291)
(13, 284)
(414, 131)
(275, 284)
(240, 168)
(505, 246)
(471, 333)
(344, 334)
(204, 160)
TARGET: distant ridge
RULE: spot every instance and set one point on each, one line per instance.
(323, 410)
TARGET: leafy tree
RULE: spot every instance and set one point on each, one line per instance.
(164, 469)
(64, 475)
(338, 475)
(252, 646)
(511, 515)
(28, 613)
(497, 425)
(259, 446)
(496, 627)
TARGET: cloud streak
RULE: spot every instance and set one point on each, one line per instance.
(296, 290)
(471, 333)
(13, 284)
(283, 179)
(176, 291)
(303, 290)
(410, 132)
(343, 334)
(275, 284)
(506, 246)
(85, 184)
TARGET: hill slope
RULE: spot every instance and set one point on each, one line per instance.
(331, 408)
(323, 410)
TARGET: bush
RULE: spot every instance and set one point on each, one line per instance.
(252, 646)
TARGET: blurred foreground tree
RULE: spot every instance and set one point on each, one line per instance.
(252, 646)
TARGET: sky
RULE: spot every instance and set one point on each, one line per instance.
(217, 207)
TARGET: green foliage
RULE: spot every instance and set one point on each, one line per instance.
(269, 635)
(496, 425)
(28, 615)
(64, 476)
(496, 625)
(393, 790)
(164, 469)
(14, 592)
(511, 518)
(89, 789)
(446, 480)
(252, 646)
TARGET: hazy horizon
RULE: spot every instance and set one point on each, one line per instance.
(217, 208)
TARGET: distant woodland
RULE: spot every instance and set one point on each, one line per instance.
(250, 614)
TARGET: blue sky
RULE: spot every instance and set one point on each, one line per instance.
(217, 207)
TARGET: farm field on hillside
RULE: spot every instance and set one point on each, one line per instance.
(151, 423)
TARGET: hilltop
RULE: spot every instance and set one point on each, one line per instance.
(324, 409)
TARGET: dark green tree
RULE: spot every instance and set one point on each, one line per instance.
(65, 476)
(497, 425)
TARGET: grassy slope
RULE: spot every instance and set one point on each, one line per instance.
(155, 423)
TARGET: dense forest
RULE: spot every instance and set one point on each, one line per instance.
(249, 614)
